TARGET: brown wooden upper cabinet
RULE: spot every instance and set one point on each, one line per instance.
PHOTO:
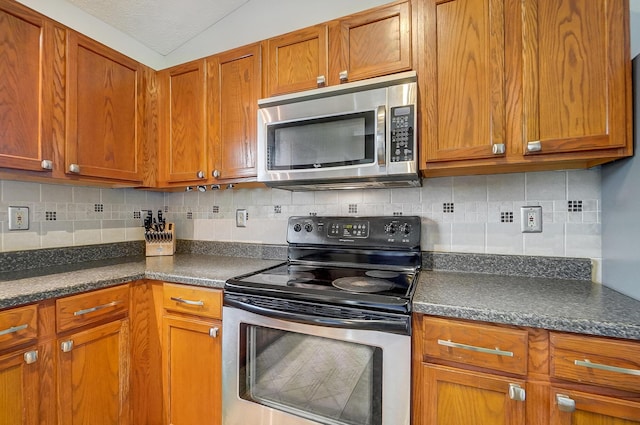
(104, 134)
(531, 85)
(234, 85)
(183, 146)
(363, 45)
(26, 114)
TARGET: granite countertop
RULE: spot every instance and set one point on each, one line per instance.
(554, 304)
(548, 303)
(25, 287)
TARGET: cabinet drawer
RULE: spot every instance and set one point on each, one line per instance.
(479, 345)
(193, 300)
(598, 361)
(91, 307)
(18, 326)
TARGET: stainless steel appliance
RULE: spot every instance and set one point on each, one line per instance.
(325, 337)
(355, 135)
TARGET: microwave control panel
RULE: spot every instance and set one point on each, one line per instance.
(402, 140)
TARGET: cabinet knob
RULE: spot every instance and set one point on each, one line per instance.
(517, 393)
(216, 174)
(46, 164)
(213, 332)
(498, 148)
(31, 357)
(74, 168)
(565, 403)
(534, 146)
(321, 80)
(200, 174)
(344, 76)
(66, 346)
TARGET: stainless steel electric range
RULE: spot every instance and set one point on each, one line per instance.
(325, 337)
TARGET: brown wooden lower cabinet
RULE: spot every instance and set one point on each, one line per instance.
(570, 407)
(456, 396)
(20, 387)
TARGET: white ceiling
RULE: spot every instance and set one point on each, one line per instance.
(161, 25)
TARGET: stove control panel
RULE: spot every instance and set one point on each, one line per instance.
(396, 231)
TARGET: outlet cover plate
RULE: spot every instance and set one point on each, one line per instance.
(241, 218)
(531, 219)
(18, 218)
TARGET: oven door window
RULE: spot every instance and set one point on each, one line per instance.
(321, 379)
(322, 142)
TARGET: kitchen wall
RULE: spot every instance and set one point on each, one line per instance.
(478, 214)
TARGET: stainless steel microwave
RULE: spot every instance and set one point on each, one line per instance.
(356, 135)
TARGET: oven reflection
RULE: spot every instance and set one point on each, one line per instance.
(321, 379)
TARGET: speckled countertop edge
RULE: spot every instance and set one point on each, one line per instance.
(553, 304)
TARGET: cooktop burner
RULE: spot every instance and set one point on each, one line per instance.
(362, 284)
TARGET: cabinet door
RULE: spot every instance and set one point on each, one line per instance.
(577, 408)
(234, 85)
(183, 147)
(370, 44)
(297, 61)
(192, 359)
(25, 89)
(104, 132)
(19, 387)
(463, 83)
(576, 75)
(93, 376)
(454, 396)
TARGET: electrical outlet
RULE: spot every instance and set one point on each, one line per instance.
(18, 218)
(241, 218)
(531, 219)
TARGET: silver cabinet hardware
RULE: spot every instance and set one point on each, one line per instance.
(534, 146)
(213, 332)
(380, 132)
(66, 346)
(498, 148)
(344, 76)
(517, 393)
(46, 164)
(565, 403)
(187, 302)
(13, 329)
(200, 174)
(96, 308)
(496, 351)
(588, 364)
(31, 357)
(216, 174)
(74, 168)
(321, 80)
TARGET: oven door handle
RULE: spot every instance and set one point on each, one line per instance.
(400, 325)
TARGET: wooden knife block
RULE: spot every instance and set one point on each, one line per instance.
(160, 243)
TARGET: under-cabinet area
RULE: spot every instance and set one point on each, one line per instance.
(473, 372)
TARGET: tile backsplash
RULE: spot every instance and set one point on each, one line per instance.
(476, 214)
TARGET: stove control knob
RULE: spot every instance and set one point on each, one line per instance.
(308, 227)
(390, 228)
(297, 227)
(405, 228)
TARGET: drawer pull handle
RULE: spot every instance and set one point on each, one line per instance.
(66, 346)
(565, 403)
(14, 329)
(588, 364)
(496, 351)
(213, 332)
(535, 146)
(188, 302)
(96, 308)
(498, 148)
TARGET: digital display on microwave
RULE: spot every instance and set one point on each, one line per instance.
(322, 142)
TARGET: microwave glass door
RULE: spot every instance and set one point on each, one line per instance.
(326, 142)
(322, 379)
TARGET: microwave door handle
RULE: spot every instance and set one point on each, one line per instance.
(380, 135)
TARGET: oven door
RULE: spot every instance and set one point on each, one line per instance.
(279, 372)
